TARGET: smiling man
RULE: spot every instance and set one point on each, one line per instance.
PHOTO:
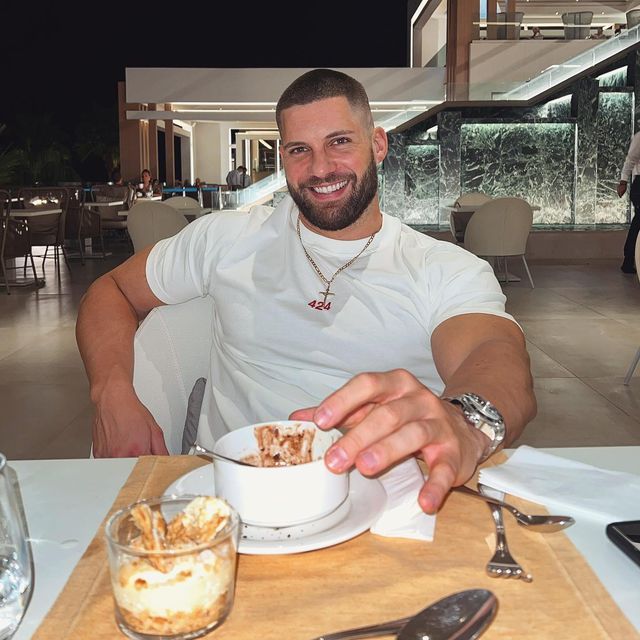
(325, 303)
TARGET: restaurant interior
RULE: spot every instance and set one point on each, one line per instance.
(504, 106)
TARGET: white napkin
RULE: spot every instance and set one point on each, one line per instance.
(402, 516)
(566, 487)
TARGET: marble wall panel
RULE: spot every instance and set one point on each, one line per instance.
(422, 178)
(392, 185)
(449, 126)
(534, 161)
(614, 132)
(586, 106)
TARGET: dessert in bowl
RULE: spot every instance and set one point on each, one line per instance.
(289, 483)
(173, 563)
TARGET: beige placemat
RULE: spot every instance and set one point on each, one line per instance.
(366, 580)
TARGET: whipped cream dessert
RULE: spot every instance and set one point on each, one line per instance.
(174, 589)
(282, 446)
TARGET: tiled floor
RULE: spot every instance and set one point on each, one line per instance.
(581, 323)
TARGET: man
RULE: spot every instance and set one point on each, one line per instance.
(238, 178)
(324, 303)
(630, 171)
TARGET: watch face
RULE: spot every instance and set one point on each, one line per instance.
(484, 407)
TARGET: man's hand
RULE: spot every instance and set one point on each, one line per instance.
(621, 188)
(391, 416)
(123, 427)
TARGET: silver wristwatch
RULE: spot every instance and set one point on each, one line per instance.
(482, 415)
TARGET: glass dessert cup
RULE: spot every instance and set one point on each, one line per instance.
(167, 583)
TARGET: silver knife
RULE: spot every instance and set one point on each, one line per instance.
(460, 616)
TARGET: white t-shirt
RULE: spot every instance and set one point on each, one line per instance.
(272, 351)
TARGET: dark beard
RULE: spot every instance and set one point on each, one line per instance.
(334, 217)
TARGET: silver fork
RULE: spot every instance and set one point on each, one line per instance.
(502, 564)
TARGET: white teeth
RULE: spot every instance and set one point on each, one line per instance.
(331, 188)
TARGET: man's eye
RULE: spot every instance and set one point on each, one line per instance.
(296, 150)
(341, 140)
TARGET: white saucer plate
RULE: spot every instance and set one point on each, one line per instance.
(366, 500)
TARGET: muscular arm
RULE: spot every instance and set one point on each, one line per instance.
(107, 321)
(487, 355)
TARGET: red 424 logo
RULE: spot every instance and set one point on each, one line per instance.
(318, 305)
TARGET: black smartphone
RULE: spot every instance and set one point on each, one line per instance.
(626, 536)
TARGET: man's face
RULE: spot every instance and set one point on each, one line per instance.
(329, 153)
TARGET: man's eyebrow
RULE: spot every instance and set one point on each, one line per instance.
(333, 134)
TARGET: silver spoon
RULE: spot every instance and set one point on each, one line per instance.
(464, 615)
(218, 456)
(542, 524)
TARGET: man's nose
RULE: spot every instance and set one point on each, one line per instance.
(322, 164)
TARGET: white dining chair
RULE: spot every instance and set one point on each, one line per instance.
(500, 228)
(458, 220)
(171, 352)
(149, 221)
(636, 358)
(181, 202)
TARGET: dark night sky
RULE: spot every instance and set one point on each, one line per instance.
(61, 58)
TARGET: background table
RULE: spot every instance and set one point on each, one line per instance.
(66, 500)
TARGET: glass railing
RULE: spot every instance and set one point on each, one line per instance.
(257, 193)
(559, 73)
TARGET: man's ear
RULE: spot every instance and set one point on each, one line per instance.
(380, 144)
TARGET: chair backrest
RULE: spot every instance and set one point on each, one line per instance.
(180, 202)
(15, 239)
(633, 18)
(472, 199)
(150, 221)
(499, 228)
(171, 351)
(49, 229)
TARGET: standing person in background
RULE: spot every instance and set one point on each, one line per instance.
(630, 171)
(536, 34)
(238, 178)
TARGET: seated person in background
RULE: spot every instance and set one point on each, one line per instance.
(145, 188)
(116, 178)
(536, 34)
(598, 35)
(238, 178)
(325, 309)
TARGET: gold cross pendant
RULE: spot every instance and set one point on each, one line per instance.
(325, 294)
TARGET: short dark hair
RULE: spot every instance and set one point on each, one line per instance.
(321, 84)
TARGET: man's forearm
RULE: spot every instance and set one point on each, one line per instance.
(105, 331)
(499, 371)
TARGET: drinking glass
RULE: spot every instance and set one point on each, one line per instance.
(15, 554)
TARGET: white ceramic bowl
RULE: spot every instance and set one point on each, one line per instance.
(278, 496)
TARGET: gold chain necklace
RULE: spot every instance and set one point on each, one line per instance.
(327, 292)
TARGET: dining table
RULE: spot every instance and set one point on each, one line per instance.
(583, 585)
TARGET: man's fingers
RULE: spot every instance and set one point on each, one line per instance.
(362, 389)
(442, 475)
(303, 414)
(388, 433)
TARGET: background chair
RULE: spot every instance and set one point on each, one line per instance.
(577, 24)
(48, 230)
(500, 229)
(509, 25)
(15, 240)
(458, 220)
(151, 221)
(180, 203)
(636, 359)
